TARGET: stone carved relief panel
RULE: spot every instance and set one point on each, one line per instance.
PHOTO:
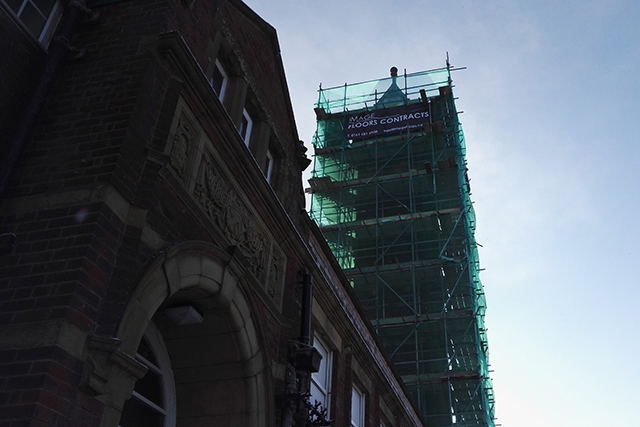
(183, 143)
(275, 281)
(221, 203)
(213, 190)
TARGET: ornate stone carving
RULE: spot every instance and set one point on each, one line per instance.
(213, 193)
(253, 247)
(223, 206)
(183, 141)
(276, 274)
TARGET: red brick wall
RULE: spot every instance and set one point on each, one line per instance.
(39, 387)
(74, 258)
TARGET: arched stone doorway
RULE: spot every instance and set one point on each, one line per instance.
(219, 364)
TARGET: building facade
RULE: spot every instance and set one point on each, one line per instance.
(156, 263)
(392, 197)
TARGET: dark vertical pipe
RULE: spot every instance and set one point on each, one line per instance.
(307, 299)
(304, 378)
(58, 50)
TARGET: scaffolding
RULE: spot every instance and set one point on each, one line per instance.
(391, 195)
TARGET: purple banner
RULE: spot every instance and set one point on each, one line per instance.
(387, 121)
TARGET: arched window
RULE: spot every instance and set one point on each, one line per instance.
(38, 17)
(153, 402)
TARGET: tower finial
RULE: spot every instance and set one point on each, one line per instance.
(394, 72)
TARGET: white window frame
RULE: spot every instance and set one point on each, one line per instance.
(321, 380)
(358, 403)
(163, 368)
(51, 21)
(225, 79)
(245, 130)
(268, 172)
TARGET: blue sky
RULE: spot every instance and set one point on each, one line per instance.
(551, 118)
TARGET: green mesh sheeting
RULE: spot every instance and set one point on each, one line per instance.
(396, 211)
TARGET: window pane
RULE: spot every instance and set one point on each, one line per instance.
(245, 127)
(268, 167)
(217, 79)
(317, 395)
(14, 5)
(321, 380)
(145, 351)
(357, 408)
(45, 6)
(137, 414)
(322, 376)
(33, 20)
(150, 386)
(153, 401)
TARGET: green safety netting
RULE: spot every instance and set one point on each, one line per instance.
(394, 206)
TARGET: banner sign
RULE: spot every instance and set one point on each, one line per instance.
(387, 121)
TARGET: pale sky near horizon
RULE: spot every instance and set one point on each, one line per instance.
(551, 120)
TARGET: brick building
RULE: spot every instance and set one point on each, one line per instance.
(156, 263)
